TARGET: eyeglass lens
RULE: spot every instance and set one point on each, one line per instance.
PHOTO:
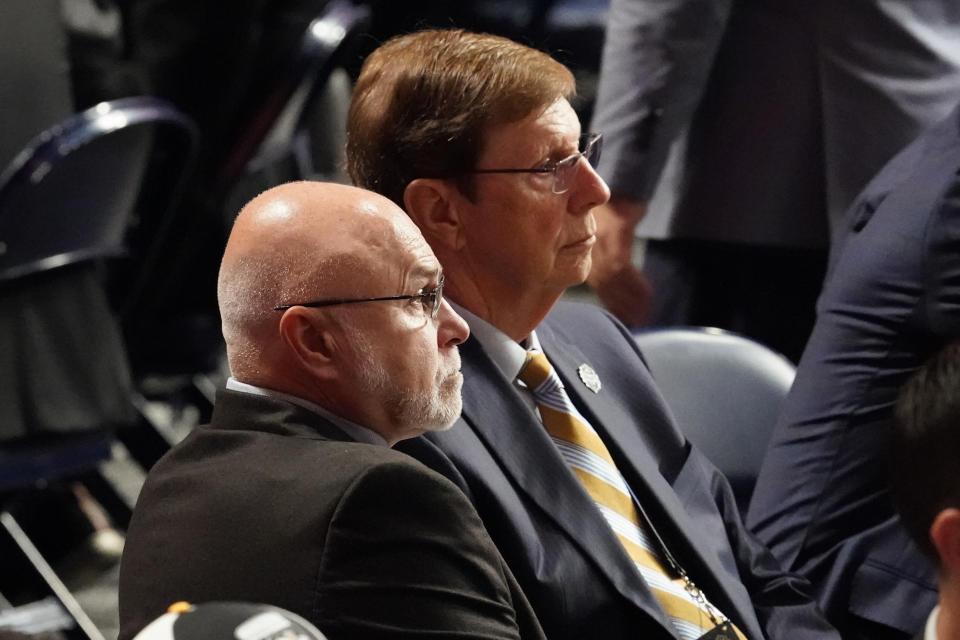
(436, 298)
(566, 168)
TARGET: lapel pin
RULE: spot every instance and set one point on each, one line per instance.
(589, 377)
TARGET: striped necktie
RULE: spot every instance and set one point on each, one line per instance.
(583, 451)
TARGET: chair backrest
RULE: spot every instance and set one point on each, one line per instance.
(70, 195)
(725, 391)
(270, 136)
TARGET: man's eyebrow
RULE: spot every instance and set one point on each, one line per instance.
(561, 148)
(429, 274)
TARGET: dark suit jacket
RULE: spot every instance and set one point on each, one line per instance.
(573, 569)
(272, 504)
(774, 113)
(822, 501)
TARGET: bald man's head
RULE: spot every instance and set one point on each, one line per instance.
(299, 241)
(384, 354)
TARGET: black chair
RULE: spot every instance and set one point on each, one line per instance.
(71, 195)
(725, 391)
(298, 131)
(68, 202)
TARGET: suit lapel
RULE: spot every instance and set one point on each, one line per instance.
(640, 469)
(515, 438)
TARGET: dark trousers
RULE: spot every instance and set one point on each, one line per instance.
(766, 293)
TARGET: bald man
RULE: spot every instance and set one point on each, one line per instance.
(340, 344)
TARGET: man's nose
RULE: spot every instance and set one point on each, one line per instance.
(451, 328)
(589, 190)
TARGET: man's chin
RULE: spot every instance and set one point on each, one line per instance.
(449, 404)
(440, 412)
(583, 271)
(450, 414)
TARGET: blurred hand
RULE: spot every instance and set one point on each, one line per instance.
(621, 287)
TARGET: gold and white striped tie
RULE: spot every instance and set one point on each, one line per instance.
(590, 461)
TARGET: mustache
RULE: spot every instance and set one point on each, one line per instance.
(453, 368)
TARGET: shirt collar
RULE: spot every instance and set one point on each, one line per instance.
(352, 429)
(930, 631)
(508, 355)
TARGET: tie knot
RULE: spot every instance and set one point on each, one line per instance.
(536, 369)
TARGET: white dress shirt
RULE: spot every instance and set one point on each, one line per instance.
(930, 630)
(508, 355)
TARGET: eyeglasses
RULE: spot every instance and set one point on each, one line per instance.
(430, 300)
(563, 170)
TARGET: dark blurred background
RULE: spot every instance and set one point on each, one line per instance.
(113, 217)
(222, 64)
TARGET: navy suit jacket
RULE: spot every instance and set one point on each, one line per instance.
(571, 566)
(892, 297)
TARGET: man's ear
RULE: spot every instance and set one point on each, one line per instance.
(945, 533)
(311, 343)
(432, 203)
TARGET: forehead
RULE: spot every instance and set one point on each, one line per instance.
(418, 264)
(397, 246)
(555, 128)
